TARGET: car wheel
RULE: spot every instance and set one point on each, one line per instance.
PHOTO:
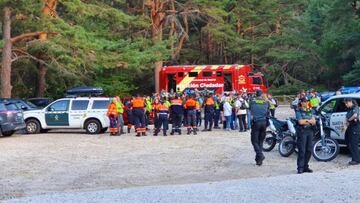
(33, 126)
(8, 133)
(93, 126)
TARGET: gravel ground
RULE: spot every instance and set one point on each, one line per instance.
(318, 187)
(64, 161)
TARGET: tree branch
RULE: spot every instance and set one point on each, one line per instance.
(30, 35)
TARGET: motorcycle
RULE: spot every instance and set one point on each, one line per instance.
(287, 144)
(274, 133)
(324, 147)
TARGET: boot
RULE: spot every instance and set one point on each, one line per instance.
(179, 132)
(172, 132)
(194, 131)
(143, 134)
(138, 135)
(188, 131)
(128, 129)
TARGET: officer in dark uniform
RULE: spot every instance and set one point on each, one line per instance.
(305, 134)
(352, 134)
(259, 109)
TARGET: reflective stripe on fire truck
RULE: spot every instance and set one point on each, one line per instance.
(187, 79)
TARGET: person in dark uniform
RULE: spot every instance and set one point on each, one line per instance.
(352, 134)
(162, 112)
(128, 110)
(305, 133)
(138, 106)
(177, 112)
(209, 110)
(259, 109)
(190, 106)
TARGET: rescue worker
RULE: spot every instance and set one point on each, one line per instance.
(352, 134)
(129, 114)
(148, 104)
(305, 135)
(120, 109)
(209, 110)
(273, 105)
(190, 106)
(177, 112)
(217, 112)
(112, 113)
(314, 100)
(198, 114)
(162, 112)
(156, 119)
(259, 110)
(138, 109)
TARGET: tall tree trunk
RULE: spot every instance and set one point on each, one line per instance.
(48, 9)
(6, 56)
(157, 16)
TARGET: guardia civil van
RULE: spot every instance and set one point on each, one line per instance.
(335, 110)
(70, 113)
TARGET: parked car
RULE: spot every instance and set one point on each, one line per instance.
(70, 113)
(39, 102)
(11, 118)
(326, 95)
(335, 111)
(21, 104)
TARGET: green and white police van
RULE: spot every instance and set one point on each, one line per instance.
(335, 110)
(70, 113)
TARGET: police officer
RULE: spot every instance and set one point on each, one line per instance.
(306, 121)
(162, 112)
(190, 106)
(352, 134)
(177, 112)
(259, 109)
(217, 112)
(138, 110)
(209, 109)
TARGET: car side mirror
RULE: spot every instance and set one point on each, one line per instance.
(24, 107)
(50, 109)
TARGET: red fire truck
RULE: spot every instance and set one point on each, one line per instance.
(219, 78)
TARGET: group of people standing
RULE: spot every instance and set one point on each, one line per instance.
(189, 110)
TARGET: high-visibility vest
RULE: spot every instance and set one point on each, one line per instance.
(119, 107)
(217, 105)
(197, 107)
(167, 103)
(209, 101)
(112, 110)
(148, 105)
(190, 104)
(162, 109)
(314, 102)
(138, 103)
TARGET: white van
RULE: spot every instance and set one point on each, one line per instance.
(336, 110)
(70, 113)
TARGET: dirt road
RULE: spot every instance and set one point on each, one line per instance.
(67, 161)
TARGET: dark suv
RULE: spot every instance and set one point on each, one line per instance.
(11, 119)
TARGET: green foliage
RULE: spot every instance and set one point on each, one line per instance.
(297, 44)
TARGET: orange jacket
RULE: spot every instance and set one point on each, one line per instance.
(190, 104)
(112, 110)
(138, 102)
(209, 101)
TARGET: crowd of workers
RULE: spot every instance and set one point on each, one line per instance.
(236, 111)
(229, 109)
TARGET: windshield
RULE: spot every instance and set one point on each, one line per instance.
(31, 104)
